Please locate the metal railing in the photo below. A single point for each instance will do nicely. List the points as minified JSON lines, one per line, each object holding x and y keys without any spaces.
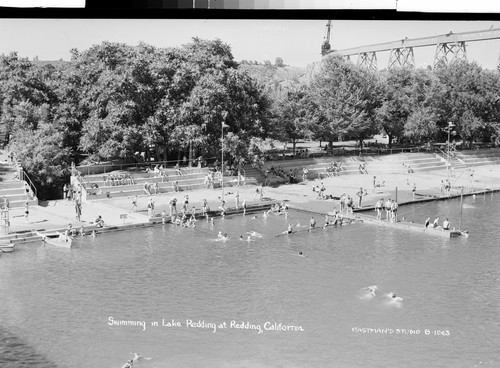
{"x":24,"y":176}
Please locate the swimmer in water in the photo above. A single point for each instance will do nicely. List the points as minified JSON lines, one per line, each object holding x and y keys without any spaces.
{"x":394,"y":299}
{"x":369,"y":292}
{"x":93,"y":233}
{"x":254,"y":218}
{"x":288,"y":230}
{"x":129,"y":364}
{"x":254,"y":233}
{"x":138,"y":357}
{"x":219,"y":235}
{"x":212,"y":221}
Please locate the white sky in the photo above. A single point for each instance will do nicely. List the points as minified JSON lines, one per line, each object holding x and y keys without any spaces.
{"x":298,"y":42}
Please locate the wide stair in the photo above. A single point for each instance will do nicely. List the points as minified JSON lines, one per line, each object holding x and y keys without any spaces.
{"x":481,"y":157}
{"x":21,"y":237}
{"x":13,"y":190}
{"x":191,"y":179}
{"x":374,"y":165}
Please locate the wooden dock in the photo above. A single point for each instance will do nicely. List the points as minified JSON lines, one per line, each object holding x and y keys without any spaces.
{"x":412,"y":227}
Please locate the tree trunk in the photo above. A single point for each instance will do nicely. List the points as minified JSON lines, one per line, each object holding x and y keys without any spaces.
{"x":294,"y":143}
{"x":389,"y":144}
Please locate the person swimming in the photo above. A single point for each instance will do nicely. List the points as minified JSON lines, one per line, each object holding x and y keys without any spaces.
{"x":369,"y":292}
{"x":254,"y":234}
{"x":392,"y":298}
{"x":138,"y":357}
{"x":219,"y":235}
{"x":129,"y":364}
{"x":288,"y":230}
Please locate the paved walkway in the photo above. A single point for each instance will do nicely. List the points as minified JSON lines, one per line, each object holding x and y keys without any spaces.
{"x":58,"y":213}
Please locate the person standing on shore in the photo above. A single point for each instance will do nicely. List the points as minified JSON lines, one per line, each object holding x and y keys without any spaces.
{"x":414,"y":190}
{"x":173,"y":206}
{"x":222,"y":207}
{"x":204,"y":207}
{"x":360,"y":196}
{"x":78,"y":209}
{"x":394,"y":211}
{"x":378,"y":208}
{"x":65,"y":191}
{"x":427,"y":222}
{"x":342,"y":202}
{"x":133,"y":207}
{"x":151,"y":207}
{"x":237,"y":199}
{"x":388,"y":205}
{"x":304,"y":174}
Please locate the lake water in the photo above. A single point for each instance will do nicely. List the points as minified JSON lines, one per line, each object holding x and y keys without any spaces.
{"x":57,"y":305}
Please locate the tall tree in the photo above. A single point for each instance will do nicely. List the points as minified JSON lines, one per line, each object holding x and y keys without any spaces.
{"x":347,"y":97}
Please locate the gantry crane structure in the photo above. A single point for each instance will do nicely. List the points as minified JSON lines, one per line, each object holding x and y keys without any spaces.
{"x":449,"y":47}
{"x":325,"y":46}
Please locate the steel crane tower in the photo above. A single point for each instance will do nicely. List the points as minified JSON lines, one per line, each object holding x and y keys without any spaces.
{"x":325,"y":46}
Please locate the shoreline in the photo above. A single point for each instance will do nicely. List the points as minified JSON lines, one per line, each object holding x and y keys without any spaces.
{"x":56,"y":215}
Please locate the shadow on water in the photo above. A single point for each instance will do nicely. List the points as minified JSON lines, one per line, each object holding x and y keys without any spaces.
{"x":14,"y":353}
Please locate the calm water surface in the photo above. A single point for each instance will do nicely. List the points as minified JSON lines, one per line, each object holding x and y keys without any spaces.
{"x":56,"y":304}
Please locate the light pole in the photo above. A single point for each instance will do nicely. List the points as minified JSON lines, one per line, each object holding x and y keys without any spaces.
{"x":222,"y":153}
{"x":448,"y":161}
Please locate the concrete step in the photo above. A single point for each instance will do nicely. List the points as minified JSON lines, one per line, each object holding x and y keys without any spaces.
{"x":24,"y":237}
{"x":11,"y":184}
{"x":15,"y":197}
{"x":130,"y":192}
{"x":20,"y":203}
{"x":11,"y":191}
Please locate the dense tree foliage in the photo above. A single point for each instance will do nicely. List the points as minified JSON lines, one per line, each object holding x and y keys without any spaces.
{"x":114,"y":101}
